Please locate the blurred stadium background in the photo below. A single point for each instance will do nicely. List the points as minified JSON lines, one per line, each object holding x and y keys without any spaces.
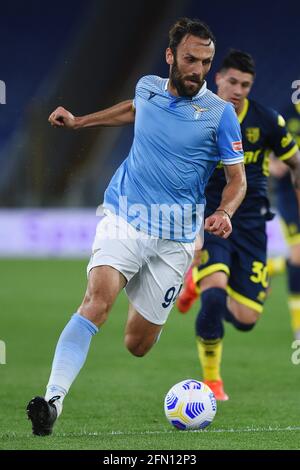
{"x":85,"y":56}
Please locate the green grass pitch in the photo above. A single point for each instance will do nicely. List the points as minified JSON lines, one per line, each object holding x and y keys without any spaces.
{"x":117,"y":400}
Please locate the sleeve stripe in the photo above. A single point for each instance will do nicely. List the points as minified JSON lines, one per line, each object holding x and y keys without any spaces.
{"x":290,"y":153}
{"x":232,"y":161}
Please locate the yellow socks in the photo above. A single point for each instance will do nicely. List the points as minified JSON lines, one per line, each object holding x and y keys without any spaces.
{"x":294,"y":306}
{"x":210,"y":356}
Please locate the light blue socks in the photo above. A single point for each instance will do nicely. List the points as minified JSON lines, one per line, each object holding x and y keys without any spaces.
{"x":70,"y":355}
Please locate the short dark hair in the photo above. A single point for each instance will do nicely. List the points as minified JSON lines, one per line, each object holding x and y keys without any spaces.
{"x":238,"y":60}
{"x":184,"y":26}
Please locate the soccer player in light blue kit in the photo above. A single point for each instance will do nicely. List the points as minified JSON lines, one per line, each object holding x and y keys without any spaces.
{"x":154,"y":205}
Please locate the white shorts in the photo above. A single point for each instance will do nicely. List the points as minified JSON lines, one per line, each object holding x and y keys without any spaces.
{"x":153,"y":267}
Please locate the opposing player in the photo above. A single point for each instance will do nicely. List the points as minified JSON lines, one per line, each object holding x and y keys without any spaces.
{"x":232,"y":274}
{"x":288,"y":207}
{"x":154,"y":205}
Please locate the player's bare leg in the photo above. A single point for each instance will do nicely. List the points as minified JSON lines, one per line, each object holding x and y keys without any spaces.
{"x":104,"y":284}
{"x":242,"y":313}
{"x":140,"y":334}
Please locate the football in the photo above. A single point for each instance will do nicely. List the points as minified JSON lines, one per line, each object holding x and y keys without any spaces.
{"x":190,"y":404}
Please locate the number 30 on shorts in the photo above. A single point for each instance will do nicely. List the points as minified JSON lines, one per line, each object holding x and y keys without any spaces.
{"x":260,"y":274}
{"x":170,"y":296}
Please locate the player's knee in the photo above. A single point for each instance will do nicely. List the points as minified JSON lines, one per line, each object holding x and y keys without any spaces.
{"x":95,"y":308}
{"x":209,"y":322}
{"x":135,"y":346}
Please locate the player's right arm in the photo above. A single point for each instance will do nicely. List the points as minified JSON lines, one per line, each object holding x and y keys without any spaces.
{"x":119,"y":115}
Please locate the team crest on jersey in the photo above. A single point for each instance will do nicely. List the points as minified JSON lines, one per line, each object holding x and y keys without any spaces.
{"x":252,"y":134}
{"x":198,"y":111}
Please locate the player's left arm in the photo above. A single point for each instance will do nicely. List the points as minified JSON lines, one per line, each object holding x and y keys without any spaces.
{"x":229,"y":141}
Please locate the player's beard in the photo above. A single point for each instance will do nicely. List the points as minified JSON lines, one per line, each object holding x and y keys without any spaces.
{"x":178,"y":81}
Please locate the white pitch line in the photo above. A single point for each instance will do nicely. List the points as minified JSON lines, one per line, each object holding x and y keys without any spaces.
{"x":171,"y":431}
{"x":13,"y":434}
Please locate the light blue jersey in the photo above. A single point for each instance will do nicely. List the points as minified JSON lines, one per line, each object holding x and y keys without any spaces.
{"x":160,"y":187}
